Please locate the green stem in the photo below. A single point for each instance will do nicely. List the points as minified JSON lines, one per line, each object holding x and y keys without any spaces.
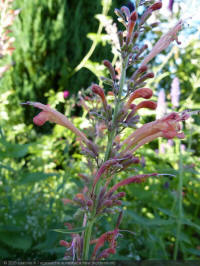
{"x":94,"y":44}
{"x":87,"y":237}
{"x":180,"y":204}
{"x":111,"y":136}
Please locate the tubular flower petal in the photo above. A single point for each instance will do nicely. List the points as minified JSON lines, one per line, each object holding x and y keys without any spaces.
{"x":139,"y":93}
{"x":163,"y":42}
{"x":99,"y":91}
{"x":49,"y":114}
{"x":167,"y":127}
{"x":146,"y":104}
{"x":134,"y":179}
{"x":155,"y":6}
{"x":131,"y":24}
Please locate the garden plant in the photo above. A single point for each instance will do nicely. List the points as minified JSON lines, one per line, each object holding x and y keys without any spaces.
{"x":111,"y":143}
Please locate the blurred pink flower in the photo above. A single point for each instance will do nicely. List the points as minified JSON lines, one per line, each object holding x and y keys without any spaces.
{"x":175,"y":92}
{"x":65,"y":94}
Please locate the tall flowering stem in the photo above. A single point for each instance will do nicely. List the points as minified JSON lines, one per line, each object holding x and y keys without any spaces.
{"x":112,"y":119}
{"x":111,"y":136}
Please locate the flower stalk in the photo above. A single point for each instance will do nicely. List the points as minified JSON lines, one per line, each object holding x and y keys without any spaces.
{"x":98,"y":197}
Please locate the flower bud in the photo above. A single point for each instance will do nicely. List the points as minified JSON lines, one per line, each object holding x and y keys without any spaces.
{"x":144,"y":77}
{"x":126,"y":11}
{"x":119,"y":13}
{"x":98,"y":90}
{"x":155,"y":6}
{"x":133,"y":16}
{"x":110,"y":68}
{"x":141,"y":50}
{"x":138,"y":72}
{"x":146,"y":104}
{"x":89,"y":203}
{"x":145,"y":93}
{"x":118,"y":202}
{"x":108,"y":203}
{"x":118,"y":195}
{"x":121,"y":38}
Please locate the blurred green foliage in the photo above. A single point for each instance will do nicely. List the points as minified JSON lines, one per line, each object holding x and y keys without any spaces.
{"x":38,"y":170}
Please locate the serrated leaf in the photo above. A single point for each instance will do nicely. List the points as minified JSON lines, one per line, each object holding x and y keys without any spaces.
{"x":73,"y":231}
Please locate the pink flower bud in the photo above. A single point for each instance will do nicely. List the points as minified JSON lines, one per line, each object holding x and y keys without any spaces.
{"x":133,"y":16}
{"x":89,"y":203}
{"x":108,"y":203}
{"x":145,"y":93}
{"x":155,"y":6}
{"x":110,"y":68}
{"x":99,"y":91}
{"x":118,"y":202}
{"x":65,"y":94}
{"x":146,"y":104}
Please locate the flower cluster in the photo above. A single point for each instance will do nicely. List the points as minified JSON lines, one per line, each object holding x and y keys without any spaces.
{"x":113,"y":117}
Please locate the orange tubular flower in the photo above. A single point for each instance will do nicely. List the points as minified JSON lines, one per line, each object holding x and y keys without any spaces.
{"x":139,"y":93}
{"x":167,"y":127}
{"x":99,"y":91}
{"x":49,"y":114}
{"x":131,"y":24}
{"x":164,"y":42}
{"x":146,"y":104}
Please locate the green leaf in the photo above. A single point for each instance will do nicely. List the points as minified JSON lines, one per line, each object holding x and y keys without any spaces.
{"x":193,"y":251}
{"x":11,"y":150}
{"x":149,"y":222}
{"x":35,"y":177}
{"x":10,"y":228}
{"x":16,"y":240}
{"x":73,"y":231}
{"x":98,"y":37}
{"x":188,"y":222}
{"x":95,"y":68}
{"x":7,"y":167}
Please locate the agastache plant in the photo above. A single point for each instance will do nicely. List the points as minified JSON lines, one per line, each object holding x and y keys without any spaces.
{"x":130,"y":94}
